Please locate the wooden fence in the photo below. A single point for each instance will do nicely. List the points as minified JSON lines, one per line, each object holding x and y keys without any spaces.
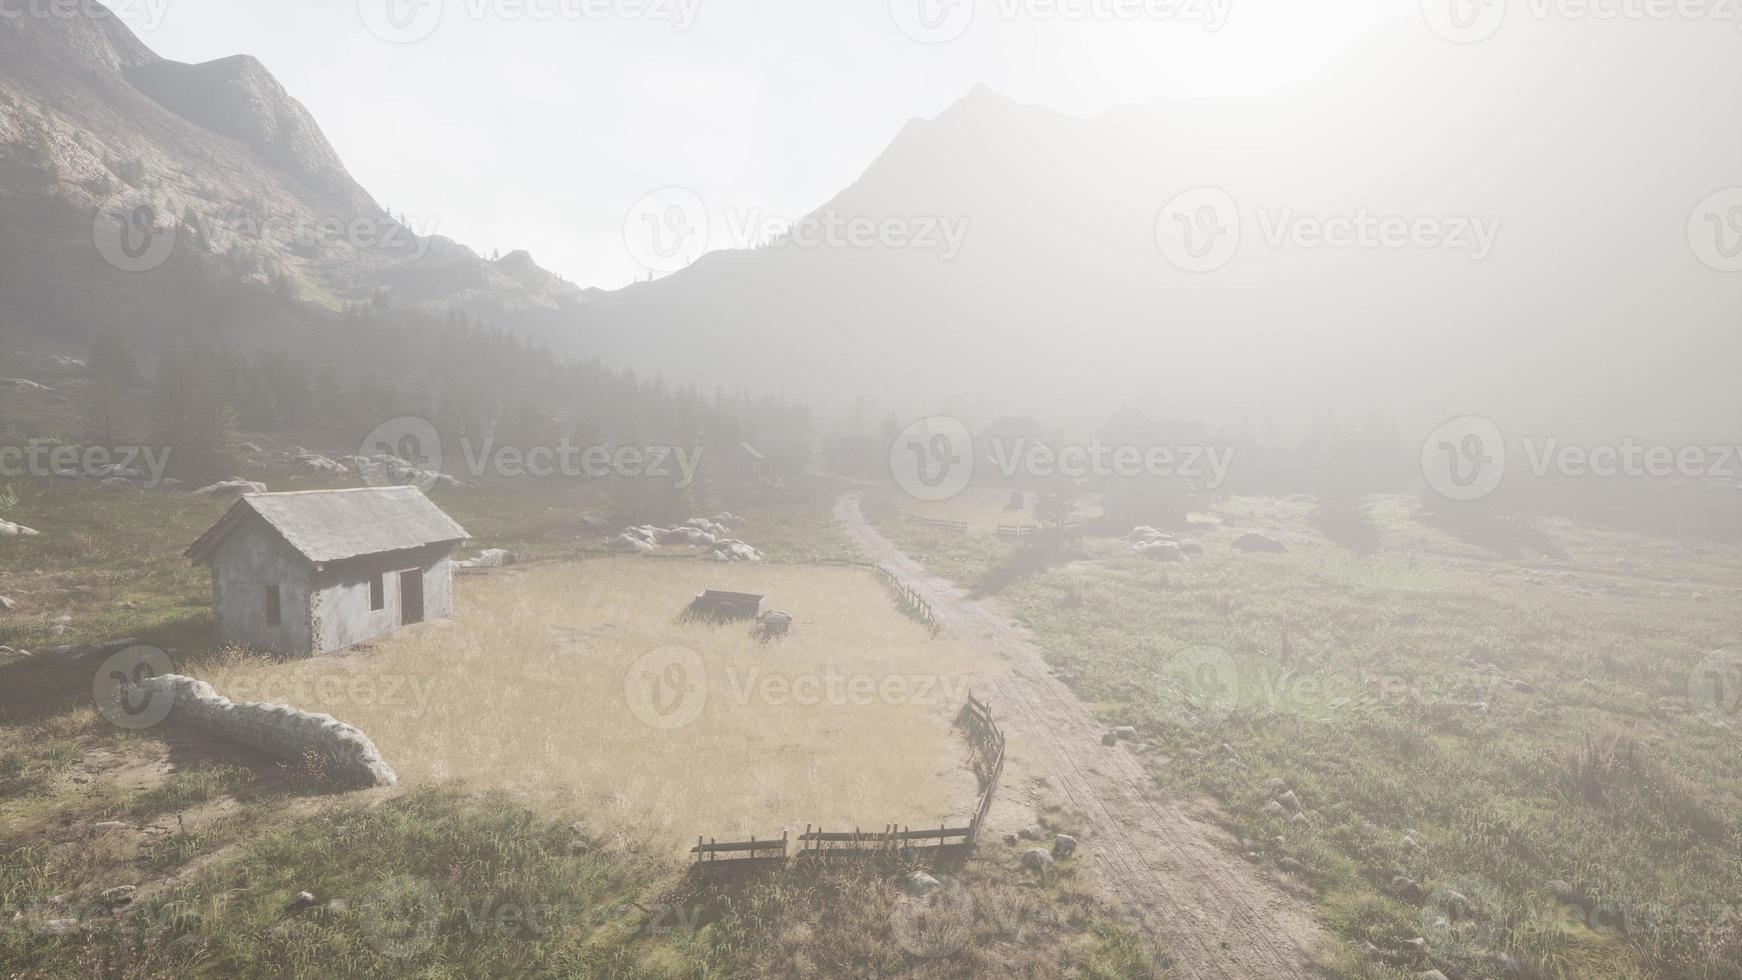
{"x":1016,"y":530}
{"x":985,"y":740}
{"x":960,"y":526}
{"x":743,"y":851}
{"x":910,"y":601}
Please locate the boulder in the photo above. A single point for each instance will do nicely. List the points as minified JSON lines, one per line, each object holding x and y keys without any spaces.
{"x":1406,"y":890}
{"x":1259,"y":542}
{"x":1033,"y":831}
{"x":489,"y":558}
{"x":1063,"y":846}
{"x":230,"y":488}
{"x":10,"y":530}
{"x":119,"y":895}
{"x":733,"y":551}
{"x":1160,"y":551}
{"x":920,"y":883}
{"x":1035,"y":859}
{"x":7,"y":605}
{"x":629,"y":544}
{"x":302,"y":900}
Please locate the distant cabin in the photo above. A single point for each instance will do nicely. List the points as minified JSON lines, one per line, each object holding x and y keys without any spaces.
{"x":322,"y":570}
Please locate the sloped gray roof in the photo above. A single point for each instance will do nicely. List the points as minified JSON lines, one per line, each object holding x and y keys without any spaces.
{"x":334,"y":525}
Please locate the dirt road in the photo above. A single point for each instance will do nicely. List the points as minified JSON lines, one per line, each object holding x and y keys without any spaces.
{"x":1181,"y":879}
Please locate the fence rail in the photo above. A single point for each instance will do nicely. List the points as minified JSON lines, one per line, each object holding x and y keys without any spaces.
{"x":1016,"y":530}
{"x":910,"y":601}
{"x":987,"y":744}
{"x":748,"y":850}
{"x":961,"y":526}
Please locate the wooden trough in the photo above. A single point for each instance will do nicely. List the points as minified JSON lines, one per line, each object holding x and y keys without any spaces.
{"x":726,"y":606}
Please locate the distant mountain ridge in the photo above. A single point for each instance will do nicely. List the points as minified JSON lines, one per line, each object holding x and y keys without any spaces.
{"x":1591,"y":158}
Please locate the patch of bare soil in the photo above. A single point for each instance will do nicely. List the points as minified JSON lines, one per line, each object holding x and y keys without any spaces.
{"x":1179,"y":878}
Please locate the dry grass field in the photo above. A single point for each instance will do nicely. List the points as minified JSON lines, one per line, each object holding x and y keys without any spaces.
{"x":584,"y":683}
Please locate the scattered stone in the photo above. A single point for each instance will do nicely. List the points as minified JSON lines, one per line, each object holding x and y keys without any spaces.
{"x":1259,"y":542}
{"x":1063,"y":846}
{"x":1412,"y":841}
{"x":6,"y":605}
{"x":1276,"y":786}
{"x":1505,"y":965}
{"x":117,"y":896}
{"x":1523,"y":688}
{"x":1289,"y":800}
{"x":1125,"y":732}
{"x":1431,"y":975}
{"x":1166,"y":551}
{"x":303,"y":900}
{"x":1454,"y":904}
{"x":920,"y":883}
{"x":230,"y":488}
{"x":1274,"y":809}
{"x":1562,"y":892}
{"x":489,"y":558}
{"x":629,"y":543}
{"x":1109,"y":739}
{"x":60,"y":927}
{"x":1033,"y":831}
{"x":773,"y":625}
{"x":1035,"y":859}
{"x":10,"y":530}
{"x":1010,"y":840}
{"x":1406,"y":890}
{"x":1418,"y":944}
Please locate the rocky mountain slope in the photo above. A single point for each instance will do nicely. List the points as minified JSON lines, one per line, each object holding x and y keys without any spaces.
{"x":138,"y":192}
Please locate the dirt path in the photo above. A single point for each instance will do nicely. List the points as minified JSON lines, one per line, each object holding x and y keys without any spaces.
{"x":1213,"y":913}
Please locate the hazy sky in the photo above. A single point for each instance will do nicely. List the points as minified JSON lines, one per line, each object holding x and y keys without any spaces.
{"x":537,"y":124}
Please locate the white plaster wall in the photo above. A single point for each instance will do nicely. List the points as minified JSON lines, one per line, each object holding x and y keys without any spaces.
{"x":249,"y":559}
{"x":342,"y":617}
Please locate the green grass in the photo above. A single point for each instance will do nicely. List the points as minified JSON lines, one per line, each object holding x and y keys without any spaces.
{"x":1585,"y":761}
{"x":255,"y":835}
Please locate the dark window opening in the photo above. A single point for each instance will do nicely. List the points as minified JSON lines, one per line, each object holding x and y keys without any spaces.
{"x":274,"y":609}
{"x":378,"y":593}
